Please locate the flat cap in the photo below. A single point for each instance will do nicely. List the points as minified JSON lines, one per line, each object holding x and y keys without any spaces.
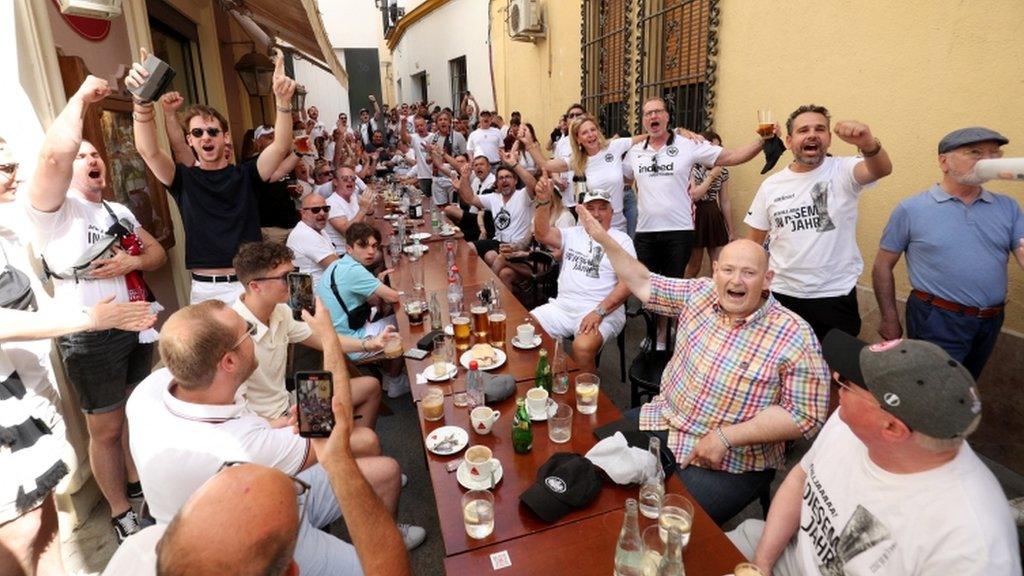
{"x":965,"y":136}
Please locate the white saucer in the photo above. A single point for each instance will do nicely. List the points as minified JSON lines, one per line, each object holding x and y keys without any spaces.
{"x":412,"y":249}
{"x":461,"y":440}
{"x":444,"y":234}
{"x":467,"y":482}
{"x":551,"y":408}
{"x":536,"y":342}
{"x":468,"y":355}
{"x":421,"y":235}
{"x":391,"y":216}
{"x":433,"y":377}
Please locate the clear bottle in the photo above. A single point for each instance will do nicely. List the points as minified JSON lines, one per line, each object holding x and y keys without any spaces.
{"x":454,"y":290}
{"x":652,"y":490}
{"x":559,"y":370}
{"x":629,"y":550}
{"x":672,"y":560}
{"x":474,"y":386}
{"x":434,"y":308}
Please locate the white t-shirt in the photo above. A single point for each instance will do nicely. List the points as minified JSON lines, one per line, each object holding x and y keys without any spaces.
{"x":264,"y":391}
{"x":866,"y":521}
{"x":63,"y":236}
{"x":484,"y":143}
{"x":136,"y":556}
{"x":587,"y":274}
{"x":811,"y":218}
{"x":663,"y":194}
{"x":179,"y":445}
{"x":512,"y":220}
{"x":604,"y":171}
{"x":340,"y":208}
{"x":310,"y":247}
{"x":424,"y":168}
{"x":563,"y":151}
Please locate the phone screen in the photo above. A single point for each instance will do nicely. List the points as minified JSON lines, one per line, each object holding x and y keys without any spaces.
{"x":300,"y":294}
{"x":313,"y":393}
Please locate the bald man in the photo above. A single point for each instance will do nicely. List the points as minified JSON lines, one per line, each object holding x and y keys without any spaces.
{"x":746,"y":375}
{"x":310,"y":244}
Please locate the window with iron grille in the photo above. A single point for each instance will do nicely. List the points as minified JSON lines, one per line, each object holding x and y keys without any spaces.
{"x":677,"y":39}
{"x":607,"y":55}
{"x":457,"y":73}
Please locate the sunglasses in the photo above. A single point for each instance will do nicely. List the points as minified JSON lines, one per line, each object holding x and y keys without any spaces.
{"x":318,"y":209}
{"x":347,"y":178}
{"x":9,"y":168}
{"x":198,"y":132}
{"x":250,"y":331}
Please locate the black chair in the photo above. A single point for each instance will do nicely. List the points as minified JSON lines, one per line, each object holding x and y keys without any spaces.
{"x":646,"y":369}
{"x":543,"y":285}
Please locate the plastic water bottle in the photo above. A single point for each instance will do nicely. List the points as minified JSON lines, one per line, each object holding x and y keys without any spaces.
{"x":454,"y":290}
{"x":474,"y":386}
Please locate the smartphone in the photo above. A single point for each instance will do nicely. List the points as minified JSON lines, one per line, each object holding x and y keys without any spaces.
{"x":415,"y":354}
{"x":300,"y":294}
{"x":313,"y":393}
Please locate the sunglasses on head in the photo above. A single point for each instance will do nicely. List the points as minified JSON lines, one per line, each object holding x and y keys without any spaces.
{"x":318,"y":209}
{"x":198,"y":132}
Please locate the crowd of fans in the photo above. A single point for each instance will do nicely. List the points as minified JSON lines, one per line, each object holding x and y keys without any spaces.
{"x":212,"y":448}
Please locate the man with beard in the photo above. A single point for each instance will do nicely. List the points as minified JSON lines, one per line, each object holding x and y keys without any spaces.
{"x":313,"y":249}
{"x":346,"y":206}
{"x":217,"y":200}
{"x":808,"y":211}
{"x":511,"y":208}
{"x":367,"y":125}
{"x":746,"y":375}
{"x":958,"y":238}
{"x":67,"y":210}
{"x":449,"y":143}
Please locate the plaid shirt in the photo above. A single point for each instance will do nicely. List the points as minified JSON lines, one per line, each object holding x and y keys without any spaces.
{"x":724,"y":372}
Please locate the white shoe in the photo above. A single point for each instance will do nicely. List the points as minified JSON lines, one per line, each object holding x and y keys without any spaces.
{"x":413,"y":536}
{"x":397,"y":385}
{"x":1017,"y":508}
{"x":405,"y":480}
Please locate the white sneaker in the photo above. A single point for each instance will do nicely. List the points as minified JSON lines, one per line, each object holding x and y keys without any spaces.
{"x":1017,"y":508}
{"x":405,"y":480}
{"x":397,"y":385}
{"x":413,"y":536}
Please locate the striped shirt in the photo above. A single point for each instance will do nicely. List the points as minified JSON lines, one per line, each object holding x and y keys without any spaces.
{"x":723,"y":372}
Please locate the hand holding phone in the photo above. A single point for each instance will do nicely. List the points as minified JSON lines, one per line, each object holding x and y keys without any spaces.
{"x":313,"y":394}
{"x":300,"y":294}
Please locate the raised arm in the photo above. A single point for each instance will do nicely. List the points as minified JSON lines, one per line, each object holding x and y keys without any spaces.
{"x":461,"y":183}
{"x":627,"y":268}
{"x":275,"y":153}
{"x":49,"y":185}
{"x":170,"y":103}
{"x":884,"y":283}
{"x":511,"y":160}
{"x":876,"y":163}
{"x":376,"y":109}
{"x":285,"y":167}
{"x":144,"y":127}
{"x":543,"y":231}
{"x":552,"y":165}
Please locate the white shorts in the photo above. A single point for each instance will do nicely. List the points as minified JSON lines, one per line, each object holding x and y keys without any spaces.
{"x":561,"y":319}
{"x":226,"y":292}
{"x":372,"y":329}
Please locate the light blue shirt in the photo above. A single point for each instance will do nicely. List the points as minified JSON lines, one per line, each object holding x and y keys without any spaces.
{"x":355,"y":285}
{"x":955,"y":251}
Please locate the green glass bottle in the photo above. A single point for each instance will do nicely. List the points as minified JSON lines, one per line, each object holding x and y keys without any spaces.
{"x":542,"y":377}
{"x":522,"y":434}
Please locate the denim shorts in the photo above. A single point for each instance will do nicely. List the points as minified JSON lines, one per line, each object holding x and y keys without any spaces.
{"x":104,"y":365}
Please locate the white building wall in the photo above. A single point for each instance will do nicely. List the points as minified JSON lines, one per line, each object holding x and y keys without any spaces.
{"x":322,"y":90}
{"x":459,"y":28}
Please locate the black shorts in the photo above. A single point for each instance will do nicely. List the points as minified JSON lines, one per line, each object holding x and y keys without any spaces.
{"x":824,"y":314}
{"x":103,"y":366}
{"x":666,"y":252}
{"x":485,"y":246}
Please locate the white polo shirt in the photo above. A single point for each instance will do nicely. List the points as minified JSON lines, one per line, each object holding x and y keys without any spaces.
{"x":178,"y":445}
{"x":484,"y":143}
{"x":310,"y":247}
{"x":264,"y":391}
{"x":340,"y":208}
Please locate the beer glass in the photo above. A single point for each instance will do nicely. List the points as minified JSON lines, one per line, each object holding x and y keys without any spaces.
{"x":480,"y":322}
{"x":432,"y":404}
{"x":587,"y":388}
{"x":765,"y":126}
{"x":416,"y":267}
{"x":496,"y":327}
{"x":478,"y":513}
{"x":460,"y":326}
{"x":676,"y":511}
{"x":439,"y":355}
{"x":393,"y":346}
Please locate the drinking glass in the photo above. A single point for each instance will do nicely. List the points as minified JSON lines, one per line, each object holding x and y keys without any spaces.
{"x":654,"y":549}
{"x":496,"y":327}
{"x":417,"y":272}
{"x":461,"y":328}
{"x":480,"y":322}
{"x":677,"y":511}
{"x":765,"y":126}
{"x":560,"y":424}
{"x":439,"y":355}
{"x":432,"y":404}
{"x":587,"y":388}
{"x":393,"y":346}
{"x":478,"y":513}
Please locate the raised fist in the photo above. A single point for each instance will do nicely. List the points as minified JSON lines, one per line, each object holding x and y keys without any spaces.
{"x":93,"y":89}
{"x":171,"y":102}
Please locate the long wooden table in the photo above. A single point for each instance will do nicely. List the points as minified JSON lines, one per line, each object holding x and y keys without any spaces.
{"x":583,"y":541}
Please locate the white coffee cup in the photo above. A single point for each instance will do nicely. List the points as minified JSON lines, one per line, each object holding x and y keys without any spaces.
{"x":524,"y":333}
{"x":480,"y":462}
{"x":483,"y":419}
{"x":537,"y":401}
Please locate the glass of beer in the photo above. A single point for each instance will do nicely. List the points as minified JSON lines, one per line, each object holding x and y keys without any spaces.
{"x":460,"y":326}
{"x":393,"y":346}
{"x":480,"y":322}
{"x":496,"y":327}
{"x":432,"y":404}
{"x":675,"y":511}
{"x":765,"y":126}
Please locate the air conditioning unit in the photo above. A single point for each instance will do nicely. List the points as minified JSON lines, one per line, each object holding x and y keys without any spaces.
{"x":100,"y":9}
{"x":524,"y":20}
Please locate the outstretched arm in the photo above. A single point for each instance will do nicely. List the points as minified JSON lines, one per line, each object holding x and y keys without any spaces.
{"x":273,"y":155}
{"x":876,"y":163}
{"x":461,"y":183}
{"x":170,"y":103}
{"x":627,"y":268}
{"x":553,"y":165}
{"x":158,"y":161}
{"x":49,"y":185}
{"x":511,"y":159}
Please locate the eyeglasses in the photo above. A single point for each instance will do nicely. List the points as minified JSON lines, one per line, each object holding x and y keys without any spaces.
{"x":324,"y":174}
{"x":976,"y":154}
{"x":301,"y":487}
{"x":575,"y":115}
{"x":9,"y":168}
{"x":347,"y":178}
{"x":282,"y":278}
{"x":250,"y":330}
{"x":198,"y":132}
{"x":653,"y":112}
{"x":318,"y":209}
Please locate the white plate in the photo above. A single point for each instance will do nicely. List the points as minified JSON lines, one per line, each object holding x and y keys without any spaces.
{"x":391,"y":216}
{"x":412,"y":249}
{"x":421,"y":235}
{"x":433,"y":377}
{"x":469,"y":483}
{"x":536,"y":342}
{"x":445,"y":234}
{"x":461,"y":440}
{"x":551,"y":408}
{"x":468,"y":355}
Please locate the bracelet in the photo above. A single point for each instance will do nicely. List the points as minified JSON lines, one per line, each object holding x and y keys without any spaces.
{"x":512,"y":166}
{"x":539,"y":204}
{"x":141,"y":102}
{"x":363,"y":343}
{"x":141,"y":120}
{"x":283,"y":110}
{"x":721,"y":436}
{"x":873,"y":153}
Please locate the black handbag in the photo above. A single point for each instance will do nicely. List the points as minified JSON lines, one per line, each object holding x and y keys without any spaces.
{"x":357,"y":317}
{"x":15,"y":287}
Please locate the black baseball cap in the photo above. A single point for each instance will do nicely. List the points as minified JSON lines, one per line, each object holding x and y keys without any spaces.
{"x":565,"y":482}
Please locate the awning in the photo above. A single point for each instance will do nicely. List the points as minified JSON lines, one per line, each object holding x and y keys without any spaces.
{"x":298,"y":23}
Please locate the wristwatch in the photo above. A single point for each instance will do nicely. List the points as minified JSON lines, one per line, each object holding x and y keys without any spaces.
{"x":600,"y":311}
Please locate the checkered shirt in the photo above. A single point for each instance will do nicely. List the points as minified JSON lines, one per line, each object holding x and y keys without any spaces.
{"x":724,"y":372}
